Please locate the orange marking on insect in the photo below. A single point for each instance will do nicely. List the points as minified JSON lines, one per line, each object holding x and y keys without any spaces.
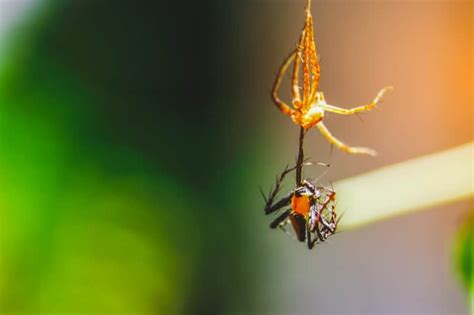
{"x":300,"y":204}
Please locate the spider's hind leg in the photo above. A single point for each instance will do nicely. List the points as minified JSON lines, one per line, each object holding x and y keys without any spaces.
{"x":341,"y":145}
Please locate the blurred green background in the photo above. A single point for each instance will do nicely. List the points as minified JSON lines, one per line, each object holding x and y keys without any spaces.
{"x":133,"y":139}
{"x":119,"y":185}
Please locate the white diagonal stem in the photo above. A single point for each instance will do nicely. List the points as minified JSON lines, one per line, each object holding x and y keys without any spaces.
{"x":405,"y":187}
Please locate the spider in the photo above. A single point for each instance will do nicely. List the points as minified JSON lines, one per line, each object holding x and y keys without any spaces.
{"x":312,"y":209}
{"x":308,"y":110}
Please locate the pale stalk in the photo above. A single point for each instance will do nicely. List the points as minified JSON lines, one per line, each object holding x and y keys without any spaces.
{"x":406,"y":187}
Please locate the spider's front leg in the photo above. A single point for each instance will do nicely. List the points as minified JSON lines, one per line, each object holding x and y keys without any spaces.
{"x":321,"y":103}
{"x":358,"y":109}
{"x":276,"y":86}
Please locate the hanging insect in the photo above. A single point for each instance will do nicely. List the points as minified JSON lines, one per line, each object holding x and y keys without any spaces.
{"x":311,"y":213}
{"x":308,"y":111}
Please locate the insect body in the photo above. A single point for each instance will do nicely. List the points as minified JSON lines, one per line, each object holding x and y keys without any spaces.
{"x":308,"y":110}
{"x":311,"y":213}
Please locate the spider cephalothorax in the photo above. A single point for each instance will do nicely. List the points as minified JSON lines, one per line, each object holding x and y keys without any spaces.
{"x":311,"y":213}
{"x":307,"y":110}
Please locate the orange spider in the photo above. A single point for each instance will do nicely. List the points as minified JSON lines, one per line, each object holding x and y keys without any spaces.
{"x":309,"y":111}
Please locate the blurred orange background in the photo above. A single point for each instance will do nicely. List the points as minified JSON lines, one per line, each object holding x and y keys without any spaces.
{"x":134,"y":136}
{"x":423,"y":49}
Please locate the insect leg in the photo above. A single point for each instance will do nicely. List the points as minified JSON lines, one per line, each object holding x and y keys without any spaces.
{"x":282,"y":217}
{"x":315,"y":220}
{"x":310,"y":242}
{"x":270,"y":208}
{"x":327,"y":225}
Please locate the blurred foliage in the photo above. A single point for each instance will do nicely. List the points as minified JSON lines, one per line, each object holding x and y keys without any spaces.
{"x":123,"y":188}
{"x":464,"y":253}
{"x":115,"y":168}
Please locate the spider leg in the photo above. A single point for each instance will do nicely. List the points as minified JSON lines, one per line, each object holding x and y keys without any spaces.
{"x":282,"y":217}
{"x":296,"y":72}
{"x":355,"y":110}
{"x":276,"y":86}
{"x":313,"y":57}
{"x":341,"y":145}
